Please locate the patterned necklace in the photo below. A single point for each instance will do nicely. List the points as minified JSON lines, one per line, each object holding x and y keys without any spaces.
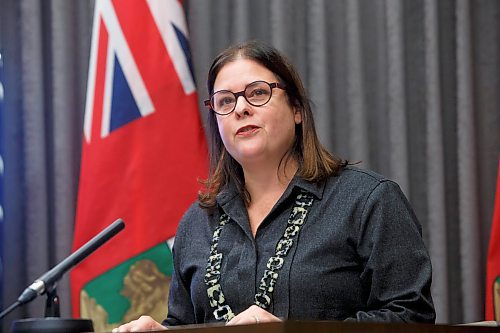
{"x":303,"y":203}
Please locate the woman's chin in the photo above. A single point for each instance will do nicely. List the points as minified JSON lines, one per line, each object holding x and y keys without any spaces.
{"x":250,"y":156}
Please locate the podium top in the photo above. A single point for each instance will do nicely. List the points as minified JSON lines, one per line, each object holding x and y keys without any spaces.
{"x":291,"y":326}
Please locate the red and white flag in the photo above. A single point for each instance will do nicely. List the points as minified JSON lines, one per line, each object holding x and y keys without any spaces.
{"x":493,"y":263}
{"x":143,"y":151}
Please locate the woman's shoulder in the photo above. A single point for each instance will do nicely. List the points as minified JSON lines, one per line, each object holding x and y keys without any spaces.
{"x":358,"y":177}
{"x":353,"y":182}
{"x":194,"y":215}
{"x":363,"y":183}
{"x":194,"y":210}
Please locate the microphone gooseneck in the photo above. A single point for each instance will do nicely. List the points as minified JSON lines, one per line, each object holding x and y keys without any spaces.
{"x":47,"y":281}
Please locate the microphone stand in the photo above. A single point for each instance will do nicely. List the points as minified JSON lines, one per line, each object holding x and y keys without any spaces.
{"x":46,"y":284}
{"x":52,"y":304}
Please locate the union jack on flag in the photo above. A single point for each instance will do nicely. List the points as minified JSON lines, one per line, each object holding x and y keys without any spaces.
{"x":143,"y":151}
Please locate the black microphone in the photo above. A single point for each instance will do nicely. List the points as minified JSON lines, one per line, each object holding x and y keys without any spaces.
{"x":47,"y":281}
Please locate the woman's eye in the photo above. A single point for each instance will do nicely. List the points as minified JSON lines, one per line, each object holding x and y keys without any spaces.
{"x":258,"y":92}
{"x":225,"y":101}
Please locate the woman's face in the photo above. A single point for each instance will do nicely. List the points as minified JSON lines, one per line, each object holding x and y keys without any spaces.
{"x":255,"y":135}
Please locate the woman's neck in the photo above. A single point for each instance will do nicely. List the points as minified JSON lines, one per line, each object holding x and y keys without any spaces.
{"x":266,"y":184}
{"x":267,"y":181}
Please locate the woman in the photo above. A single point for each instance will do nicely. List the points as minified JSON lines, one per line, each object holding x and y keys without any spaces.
{"x":284,"y":229}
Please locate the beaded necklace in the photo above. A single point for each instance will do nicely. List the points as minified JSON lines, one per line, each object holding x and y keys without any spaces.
{"x":222,"y":311}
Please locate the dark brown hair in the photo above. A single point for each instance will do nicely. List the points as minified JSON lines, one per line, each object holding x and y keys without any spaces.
{"x":315,"y":163}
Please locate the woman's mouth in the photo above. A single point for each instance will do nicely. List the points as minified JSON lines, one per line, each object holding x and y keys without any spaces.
{"x":247,"y":130}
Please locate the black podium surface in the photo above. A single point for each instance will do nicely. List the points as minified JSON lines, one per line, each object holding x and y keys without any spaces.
{"x":291,"y":326}
{"x":332,"y":326}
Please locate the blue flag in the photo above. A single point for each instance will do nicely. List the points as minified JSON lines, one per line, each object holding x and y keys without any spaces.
{"x":1,"y":182}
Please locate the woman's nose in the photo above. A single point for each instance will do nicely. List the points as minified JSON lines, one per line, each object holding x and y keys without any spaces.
{"x":242,"y":107}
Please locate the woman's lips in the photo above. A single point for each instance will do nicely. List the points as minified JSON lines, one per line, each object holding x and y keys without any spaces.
{"x":247,"y":130}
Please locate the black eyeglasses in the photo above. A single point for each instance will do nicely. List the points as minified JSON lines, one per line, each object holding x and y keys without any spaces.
{"x":257,"y":93}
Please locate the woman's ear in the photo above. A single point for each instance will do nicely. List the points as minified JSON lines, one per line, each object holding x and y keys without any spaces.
{"x":297,"y":115}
